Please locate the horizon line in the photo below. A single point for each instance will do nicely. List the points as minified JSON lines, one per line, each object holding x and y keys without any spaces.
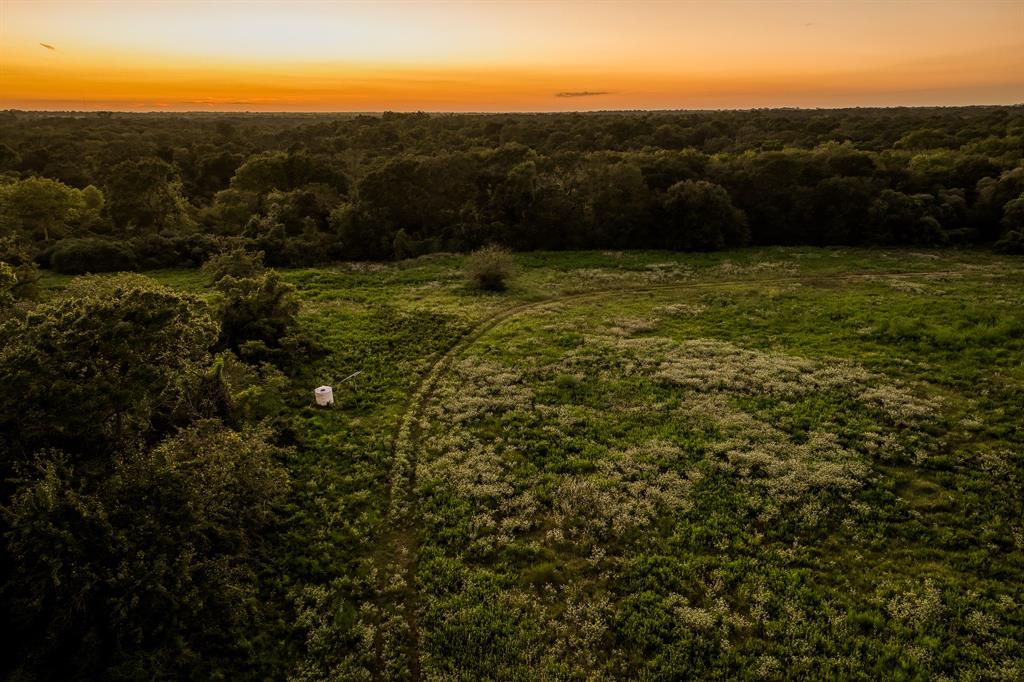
{"x":470,"y":112}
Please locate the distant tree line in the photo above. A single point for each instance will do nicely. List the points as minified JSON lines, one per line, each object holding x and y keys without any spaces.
{"x":114,"y":192}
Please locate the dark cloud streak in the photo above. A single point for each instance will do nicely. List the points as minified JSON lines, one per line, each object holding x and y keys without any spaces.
{"x":582,"y":93}
{"x":48,"y":47}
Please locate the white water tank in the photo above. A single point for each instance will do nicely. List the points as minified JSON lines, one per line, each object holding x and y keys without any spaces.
{"x":324,"y":396}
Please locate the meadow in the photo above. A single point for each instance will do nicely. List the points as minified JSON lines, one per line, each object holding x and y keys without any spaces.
{"x":753,"y":464}
{"x":756,"y":464}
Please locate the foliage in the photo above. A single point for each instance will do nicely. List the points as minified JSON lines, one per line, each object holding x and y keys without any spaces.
{"x":490,"y":268}
{"x":255,"y":312}
{"x":237,"y":263}
{"x":1012,"y":242}
{"x":91,"y":370}
{"x":133,"y":574}
{"x":41,"y":209}
{"x":897,"y":218}
{"x":310,"y":189}
{"x":23,"y":267}
{"x":145,"y":195}
{"x":81,"y":256}
{"x":1013,"y":215}
{"x":702,"y":217}
{"x":8,"y":283}
{"x":136,"y":521}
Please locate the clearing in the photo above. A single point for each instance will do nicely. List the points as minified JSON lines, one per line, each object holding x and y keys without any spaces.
{"x":757,"y":464}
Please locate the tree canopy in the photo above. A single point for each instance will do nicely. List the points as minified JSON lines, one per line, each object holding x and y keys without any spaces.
{"x":306,"y":189}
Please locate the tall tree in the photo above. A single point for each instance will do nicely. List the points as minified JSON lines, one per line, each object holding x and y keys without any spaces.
{"x":40,"y":209}
{"x":700,"y":216}
{"x":145,"y":196}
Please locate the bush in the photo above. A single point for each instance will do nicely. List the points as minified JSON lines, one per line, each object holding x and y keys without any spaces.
{"x":1012,"y":242}
{"x":155,"y":251}
{"x":23,"y":267}
{"x":195,"y":249}
{"x":8,"y":280}
{"x":80,"y":256}
{"x":490,"y":268}
{"x":259,"y":309}
{"x":236,"y":262}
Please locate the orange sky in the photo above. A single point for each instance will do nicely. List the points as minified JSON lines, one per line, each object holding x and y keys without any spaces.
{"x":492,"y":55}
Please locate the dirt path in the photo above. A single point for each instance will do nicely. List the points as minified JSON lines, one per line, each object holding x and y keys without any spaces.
{"x":403,"y":539}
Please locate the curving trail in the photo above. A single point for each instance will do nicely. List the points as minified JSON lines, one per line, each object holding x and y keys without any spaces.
{"x":402,"y":512}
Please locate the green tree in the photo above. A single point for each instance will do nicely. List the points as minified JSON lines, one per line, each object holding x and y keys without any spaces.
{"x":256,"y":313}
{"x":91,"y":370}
{"x":231,"y":210}
{"x":614,"y":203}
{"x":1012,"y":223}
{"x":9,"y":159}
{"x":133,"y":575}
{"x":1013,"y":214}
{"x":145,"y":195}
{"x":402,"y":246}
{"x":40,"y":209}
{"x":283,"y":171}
{"x":898,"y":218}
{"x":838,"y":208}
{"x":993,"y":195}
{"x":701,"y":217}
{"x":8,"y":282}
{"x":363,"y":233}
{"x":91,"y":255}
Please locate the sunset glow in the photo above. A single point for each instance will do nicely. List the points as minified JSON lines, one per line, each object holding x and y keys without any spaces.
{"x":502,"y":56}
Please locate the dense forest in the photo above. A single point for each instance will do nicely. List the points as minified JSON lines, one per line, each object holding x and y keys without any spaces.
{"x":105,"y":191}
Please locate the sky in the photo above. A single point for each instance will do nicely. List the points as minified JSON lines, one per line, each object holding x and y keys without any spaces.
{"x":497,"y":55}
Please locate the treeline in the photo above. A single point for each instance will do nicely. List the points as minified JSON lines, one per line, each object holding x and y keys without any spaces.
{"x":113,"y":192}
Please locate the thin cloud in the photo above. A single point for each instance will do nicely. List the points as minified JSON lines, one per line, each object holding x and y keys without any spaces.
{"x":48,"y":47}
{"x":582,"y":93}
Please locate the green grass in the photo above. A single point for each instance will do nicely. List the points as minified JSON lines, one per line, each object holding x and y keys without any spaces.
{"x":768,"y":463}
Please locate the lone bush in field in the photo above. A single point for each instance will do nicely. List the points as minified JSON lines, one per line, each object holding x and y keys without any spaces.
{"x":490,"y":268}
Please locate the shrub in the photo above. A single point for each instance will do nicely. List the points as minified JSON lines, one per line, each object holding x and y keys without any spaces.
{"x":23,"y":267}
{"x":259,"y":309}
{"x":195,"y":249}
{"x":8,"y":280}
{"x":1012,"y":242}
{"x":155,"y":251}
{"x":490,"y":268}
{"x":80,"y":256}
{"x":236,"y":262}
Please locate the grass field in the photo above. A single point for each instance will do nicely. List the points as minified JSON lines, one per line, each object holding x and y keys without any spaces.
{"x":757,"y":464}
